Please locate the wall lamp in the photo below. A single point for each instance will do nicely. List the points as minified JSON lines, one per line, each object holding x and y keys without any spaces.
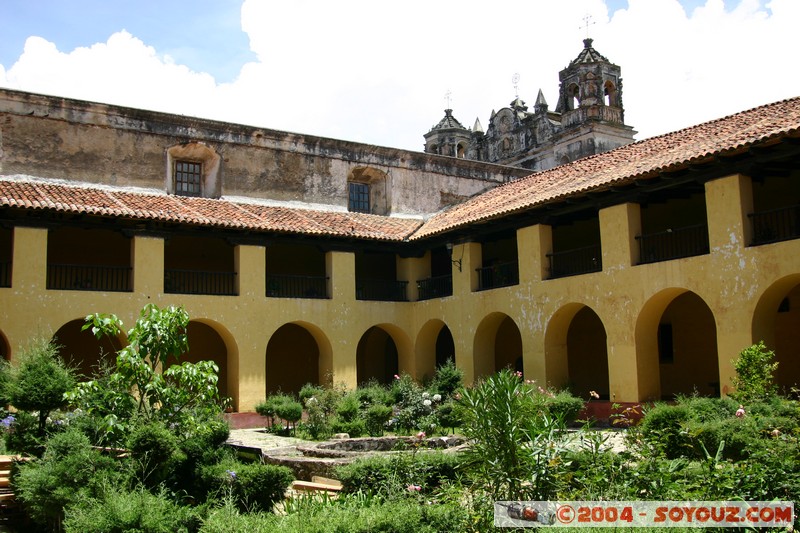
{"x":456,"y":262}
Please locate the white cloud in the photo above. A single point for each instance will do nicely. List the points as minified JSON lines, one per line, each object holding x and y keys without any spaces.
{"x":377,"y":72}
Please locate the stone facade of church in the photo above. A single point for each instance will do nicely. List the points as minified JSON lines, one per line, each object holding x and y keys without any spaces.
{"x":589,"y":119}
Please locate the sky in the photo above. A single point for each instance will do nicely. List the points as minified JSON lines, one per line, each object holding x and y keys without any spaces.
{"x":378,"y":72}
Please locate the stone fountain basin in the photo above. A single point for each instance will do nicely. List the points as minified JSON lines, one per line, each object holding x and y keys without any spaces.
{"x":322,"y":458}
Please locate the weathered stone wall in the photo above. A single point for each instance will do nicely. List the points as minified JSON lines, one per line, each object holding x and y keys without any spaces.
{"x":67,"y":139}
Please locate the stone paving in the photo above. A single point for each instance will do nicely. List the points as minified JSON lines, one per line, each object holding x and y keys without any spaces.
{"x":258,"y":438}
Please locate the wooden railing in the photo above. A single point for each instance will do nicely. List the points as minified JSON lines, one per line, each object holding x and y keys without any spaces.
{"x":496,"y":276}
{"x":199,"y":282}
{"x":5,"y":273}
{"x":297,"y":286}
{"x":436,"y":287}
{"x":576,"y":261}
{"x":673,"y":244}
{"x":381,"y":290}
{"x":776,"y":225}
{"x":88,"y":278}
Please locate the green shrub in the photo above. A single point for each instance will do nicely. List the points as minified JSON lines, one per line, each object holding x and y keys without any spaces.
{"x":376,"y":416}
{"x":203,"y":448}
{"x":354,"y":428}
{"x":564,"y":406}
{"x":515,"y":447}
{"x":392,"y":475}
{"x":348,"y":408}
{"x":22,"y":435}
{"x":40,"y":380}
{"x":69,"y":471}
{"x":449,"y":415}
{"x":253,"y":486}
{"x":373,"y":393}
{"x":155,"y":452}
{"x":129,"y":511}
{"x":738,"y":435}
{"x":269,"y":407}
{"x":403,"y":388}
{"x":709,"y":409}
{"x":664,"y":426}
{"x":755,"y":368}
{"x":447,"y":379}
{"x":400,"y":516}
{"x":309,"y":390}
{"x":291,"y":412}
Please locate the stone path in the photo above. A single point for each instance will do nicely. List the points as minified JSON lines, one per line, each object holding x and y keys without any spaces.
{"x":258,"y":438}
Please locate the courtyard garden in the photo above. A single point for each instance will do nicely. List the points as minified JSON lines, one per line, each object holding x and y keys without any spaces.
{"x":140,"y":445}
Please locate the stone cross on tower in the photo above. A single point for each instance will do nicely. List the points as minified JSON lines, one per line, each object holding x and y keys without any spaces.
{"x":515,"y":81}
{"x":447,"y":97}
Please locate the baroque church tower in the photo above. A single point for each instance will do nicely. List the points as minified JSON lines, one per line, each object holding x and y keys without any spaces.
{"x":588,"y":119}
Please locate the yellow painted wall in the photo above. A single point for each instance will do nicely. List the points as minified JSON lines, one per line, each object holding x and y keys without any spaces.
{"x":741,"y":286}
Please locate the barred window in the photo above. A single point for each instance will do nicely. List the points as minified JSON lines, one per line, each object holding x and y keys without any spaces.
{"x":359,"y":197}
{"x":188,"y":178}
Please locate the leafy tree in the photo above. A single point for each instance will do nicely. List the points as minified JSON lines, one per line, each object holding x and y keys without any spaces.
{"x":40,"y":380}
{"x":182,"y":396}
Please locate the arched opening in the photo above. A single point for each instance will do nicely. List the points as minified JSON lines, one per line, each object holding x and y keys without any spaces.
{"x":434,"y":347}
{"x":377,"y":357}
{"x":573,"y":97}
{"x":676,"y":344}
{"x":587,"y":355}
{"x":83,"y":351}
{"x":293,"y":359}
{"x":576,"y":351}
{"x":206,"y":344}
{"x":445,"y":347}
{"x":5,"y":349}
{"x":461,"y":150}
{"x":497,"y":345}
{"x":610,"y":94}
{"x":776,"y":321}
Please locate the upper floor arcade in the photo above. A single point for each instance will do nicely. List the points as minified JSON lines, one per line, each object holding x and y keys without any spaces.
{"x":666,"y":223}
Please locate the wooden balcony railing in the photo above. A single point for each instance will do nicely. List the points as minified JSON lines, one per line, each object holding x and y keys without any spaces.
{"x":496,"y":276}
{"x":297,"y":286}
{"x":89,"y":278}
{"x":576,"y":261}
{"x":776,"y":225}
{"x":381,"y":290}
{"x":5,"y":273}
{"x":673,"y":244}
{"x":199,"y":282}
{"x":436,"y":287}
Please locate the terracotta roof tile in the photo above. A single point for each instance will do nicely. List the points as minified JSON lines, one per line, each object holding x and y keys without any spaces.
{"x":640,"y":160}
{"x":79,"y":199}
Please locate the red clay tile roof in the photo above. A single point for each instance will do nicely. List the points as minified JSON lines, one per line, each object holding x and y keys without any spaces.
{"x":42,"y":195}
{"x":640,"y":160}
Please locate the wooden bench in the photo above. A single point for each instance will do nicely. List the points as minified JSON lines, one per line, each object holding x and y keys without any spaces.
{"x":318,"y":484}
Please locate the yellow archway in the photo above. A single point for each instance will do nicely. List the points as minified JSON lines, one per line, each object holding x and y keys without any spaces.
{"x":383,"y":351}
{"x":676,"y":346}
{"x":776,"y":321}
{"x":497,"y":345}
{"x":297,"y":353}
